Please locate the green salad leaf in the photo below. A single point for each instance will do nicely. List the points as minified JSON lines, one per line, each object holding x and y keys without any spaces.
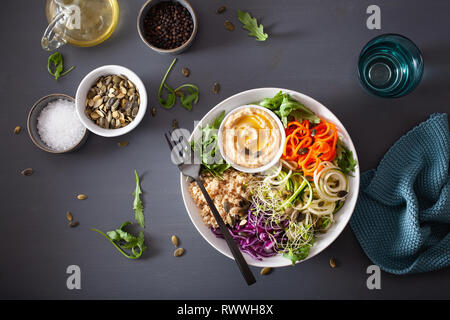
{"x":137,"y":203}
{"x":208,"y":148}
{"x":186,"y":100}
{"x":251,"y":25}
{"x":284,"y":106}
{"x":124,"y":240}
{"x":56,"y":60}
{"x":345,"y":160}
{"x":170,"y":101}
{"x":299,"y":254}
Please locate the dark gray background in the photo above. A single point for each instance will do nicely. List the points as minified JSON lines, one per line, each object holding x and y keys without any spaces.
{"x":312,"y":48}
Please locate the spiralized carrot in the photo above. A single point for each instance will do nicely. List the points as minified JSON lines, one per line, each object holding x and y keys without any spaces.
{"x":309,"y":145}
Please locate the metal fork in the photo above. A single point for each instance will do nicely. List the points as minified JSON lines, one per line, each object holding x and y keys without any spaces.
{"x":192,"y":170}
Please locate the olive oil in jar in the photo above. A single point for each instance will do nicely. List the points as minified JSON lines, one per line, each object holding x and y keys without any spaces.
{"x":89,"y":23}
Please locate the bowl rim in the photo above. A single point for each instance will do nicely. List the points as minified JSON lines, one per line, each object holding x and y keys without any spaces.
{"x":277,"y":156}
{"x":32,"y":137}
{"x":191,"y":10}
{"x":81,"y":94}
{"x":343,"y":223}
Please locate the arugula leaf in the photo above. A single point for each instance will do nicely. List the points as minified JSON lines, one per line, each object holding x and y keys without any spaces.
{"x":273,"y":103}
{"x":284,"y":106}
{"x":171,"y":96}
{"x":300,"y":254}
{"x":137,"y":203}
{"x":56,"y":60}
{"x":251,"y":25}
{"x":208,"y":148}
{"x":124,"y":240}
{"x":345,"y":160}
{"x":186,"y":100}
{"x":192,"y":97}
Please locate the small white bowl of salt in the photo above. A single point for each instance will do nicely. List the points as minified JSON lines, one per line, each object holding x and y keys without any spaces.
{"x":53,"y":124}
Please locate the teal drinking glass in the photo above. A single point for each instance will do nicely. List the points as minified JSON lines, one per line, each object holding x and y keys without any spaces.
{"x":390,"y":65}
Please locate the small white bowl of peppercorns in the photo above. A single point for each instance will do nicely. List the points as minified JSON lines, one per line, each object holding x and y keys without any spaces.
{"x":167,"y":26}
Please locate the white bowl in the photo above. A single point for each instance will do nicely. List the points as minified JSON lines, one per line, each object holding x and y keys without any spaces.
{"x":87,"y":83}
{"x":277,"y":155}
{"x":342,"y":217}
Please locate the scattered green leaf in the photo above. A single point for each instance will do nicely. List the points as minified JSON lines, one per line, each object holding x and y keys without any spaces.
{"x":124,"y":240}
{"x":189,"y":99}
{"x":186,"y":100}
{"x":251,"y":25}
{"x":171,"y":96}
{"x":137,"y":203}
{"x":56,"y":60}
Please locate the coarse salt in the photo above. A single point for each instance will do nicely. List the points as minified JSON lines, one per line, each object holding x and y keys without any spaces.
{"x":58,"y":125}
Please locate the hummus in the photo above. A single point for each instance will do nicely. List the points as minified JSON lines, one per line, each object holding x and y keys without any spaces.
{"x":250,"y":138}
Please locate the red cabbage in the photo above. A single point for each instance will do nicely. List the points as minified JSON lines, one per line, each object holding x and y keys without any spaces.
{"x":253,"y":237}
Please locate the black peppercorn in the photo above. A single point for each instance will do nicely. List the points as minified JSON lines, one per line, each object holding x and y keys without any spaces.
{"x":168,"y":25}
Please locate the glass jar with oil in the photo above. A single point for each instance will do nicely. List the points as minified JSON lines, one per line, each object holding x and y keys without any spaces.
{"x":82,"y":23}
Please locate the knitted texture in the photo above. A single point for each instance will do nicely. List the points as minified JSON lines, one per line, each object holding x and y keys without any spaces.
{"x":402,"y":217}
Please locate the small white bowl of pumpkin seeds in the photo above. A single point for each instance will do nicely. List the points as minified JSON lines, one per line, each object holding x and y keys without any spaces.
{"x":111,"y":101}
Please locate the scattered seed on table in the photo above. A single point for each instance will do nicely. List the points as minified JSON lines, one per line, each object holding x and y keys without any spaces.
{"x":17,"y":130}
{"x":186,"y":72}
{"x":69,"y":216}
{"x":216,"y":88}
{"x":229,"y":25}
{"x":153,"y":112}
{"x":221,"y":10}
{"x":175,"y":123}
{"x":81,"y":197}
{"x":27,"y":172}
{"x":175,"y":240}
{"x":122,"y":143}
{"x":265,"y":271}
{"x":74,"y":224}
{"x":179,"y":252}
{"x":332,"y":263}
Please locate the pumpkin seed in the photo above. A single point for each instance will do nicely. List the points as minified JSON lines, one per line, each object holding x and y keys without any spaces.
{"x":74,"y":224}
{"x":175,"y":240}
{"x":229,"y":25}
{"x":265,"y":271}
{"x":153,"y":112}
{"x":342,"y":193}
{"x":303,"y":151}
{"x":17,"y":130}
{"x":69,"y":216}
{"x":175,"y":123}
{"x":186,"y":72}
{"x":122,"y":143}
{"x":27,"y":172}
{"x":313,"y":132}
{"x":221,"y":10}
{"x":226,"y":206}
{"x":243,"y":222}
{"x":321,"y":203}
{"x":216,"y":88}
{"x":109,"y":94}
{"x":332,"y":263}
{"x":81,"y":197}
{"x":178,"y":252}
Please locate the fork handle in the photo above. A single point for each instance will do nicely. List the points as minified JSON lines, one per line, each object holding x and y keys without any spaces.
{"x":242,"y":264}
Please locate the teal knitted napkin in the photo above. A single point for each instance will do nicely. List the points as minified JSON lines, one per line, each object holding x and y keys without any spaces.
{"x":402,"y":217}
